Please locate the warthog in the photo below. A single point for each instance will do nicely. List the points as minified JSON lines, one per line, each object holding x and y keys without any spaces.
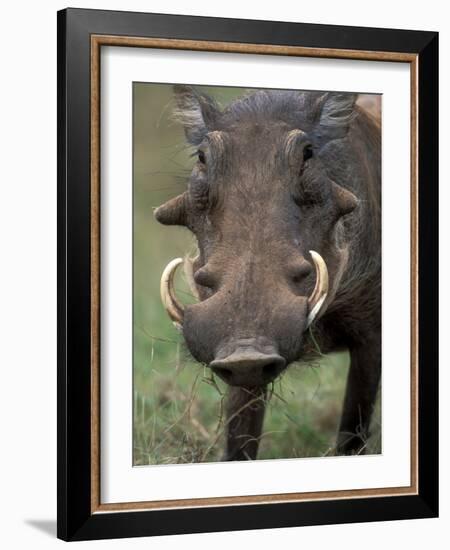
{"x":284,"y":201}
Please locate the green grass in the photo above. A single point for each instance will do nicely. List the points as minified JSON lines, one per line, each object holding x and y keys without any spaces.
{"x":177,"y":404}
{"x":178,"y":411}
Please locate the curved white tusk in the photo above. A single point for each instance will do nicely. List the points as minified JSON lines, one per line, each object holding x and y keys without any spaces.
{"x":320,"y":292}
{"x":174,"y":308}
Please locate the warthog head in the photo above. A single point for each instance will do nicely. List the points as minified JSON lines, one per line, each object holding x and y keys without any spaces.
{"x":267,"y":214}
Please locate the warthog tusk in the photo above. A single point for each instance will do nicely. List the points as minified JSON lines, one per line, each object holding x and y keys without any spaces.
{"x":174,"y":308}
{"x":320,"y":292}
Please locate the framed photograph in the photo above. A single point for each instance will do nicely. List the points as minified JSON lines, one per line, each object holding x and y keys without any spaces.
{"x":247,"y":254}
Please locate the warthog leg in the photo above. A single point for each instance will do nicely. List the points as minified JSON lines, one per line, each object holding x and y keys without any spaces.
{"x":362,"y":386}
{"x":244,"y":416}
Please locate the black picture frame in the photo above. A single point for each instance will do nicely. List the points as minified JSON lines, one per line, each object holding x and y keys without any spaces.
{"x":75,"y":518}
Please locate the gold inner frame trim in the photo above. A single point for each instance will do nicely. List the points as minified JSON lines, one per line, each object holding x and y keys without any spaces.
{"x":97,"y":41}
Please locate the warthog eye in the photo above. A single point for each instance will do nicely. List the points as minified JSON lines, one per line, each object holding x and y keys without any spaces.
{"x":201,"y":157}
{"x":307,"y":152}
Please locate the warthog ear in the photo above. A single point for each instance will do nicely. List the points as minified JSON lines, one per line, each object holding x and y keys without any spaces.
{"x":336,"y":111}
{"x":197,"y":112}
{"x":173,"y":212}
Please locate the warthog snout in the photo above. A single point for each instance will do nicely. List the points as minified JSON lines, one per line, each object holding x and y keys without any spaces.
{"x":248,"y":367}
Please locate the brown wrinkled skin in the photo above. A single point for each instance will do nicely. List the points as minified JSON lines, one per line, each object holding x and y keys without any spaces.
{"x":280,"y":174}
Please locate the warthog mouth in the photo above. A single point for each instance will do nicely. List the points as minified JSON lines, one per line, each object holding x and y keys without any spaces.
{"x":241,"y":361}
{"x":175,"y":308}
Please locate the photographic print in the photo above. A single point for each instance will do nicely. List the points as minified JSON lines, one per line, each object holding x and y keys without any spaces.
{"x":247,"y":265}
{"x":256,"y":274}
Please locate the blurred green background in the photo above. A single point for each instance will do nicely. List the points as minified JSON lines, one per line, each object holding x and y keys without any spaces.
{"x":177,"y":404}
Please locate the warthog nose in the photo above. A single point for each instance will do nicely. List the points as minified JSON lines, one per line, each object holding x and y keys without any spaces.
{"x":248,"y":368}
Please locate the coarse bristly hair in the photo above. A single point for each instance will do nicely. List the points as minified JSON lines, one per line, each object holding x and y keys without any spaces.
{"x":329,"y":112}
{"x":197,"y":112}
